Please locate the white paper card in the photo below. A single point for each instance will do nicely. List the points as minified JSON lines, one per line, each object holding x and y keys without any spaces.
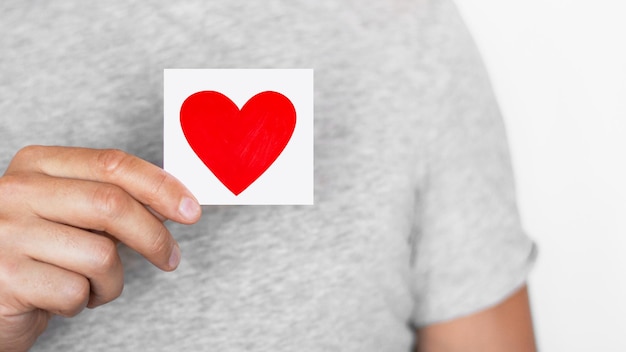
{"x":215,"y":148}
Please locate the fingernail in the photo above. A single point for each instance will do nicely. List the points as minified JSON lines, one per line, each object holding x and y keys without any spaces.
{"x":174,"y":257}
{"x":189,"y":208}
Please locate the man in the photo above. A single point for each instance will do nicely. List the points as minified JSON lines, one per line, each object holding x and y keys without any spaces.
{"x":414,"y":230}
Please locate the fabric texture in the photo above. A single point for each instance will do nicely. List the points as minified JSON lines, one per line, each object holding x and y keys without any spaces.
{"x":414,"y":219}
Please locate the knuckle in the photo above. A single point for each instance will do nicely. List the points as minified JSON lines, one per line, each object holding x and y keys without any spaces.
{"x":10,"y":186}
{"x":161,"y":182}
{"x":75,"y":296}
{"x":30,"y":152}
{"x":111,"y":161}
{"x":160,"y":244}
{"x":111,"y":201}
{"x":104,"y":257}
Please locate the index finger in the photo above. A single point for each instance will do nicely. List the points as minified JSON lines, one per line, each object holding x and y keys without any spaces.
{"x":144,"y":181}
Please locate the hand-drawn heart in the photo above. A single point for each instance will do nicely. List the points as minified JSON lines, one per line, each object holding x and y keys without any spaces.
{"x":238,"y":146}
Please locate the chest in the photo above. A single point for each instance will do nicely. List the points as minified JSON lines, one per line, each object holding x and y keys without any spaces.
{"x":93,"y":77}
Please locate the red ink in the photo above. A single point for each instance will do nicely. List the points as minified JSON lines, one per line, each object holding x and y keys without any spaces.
{"x":238,"y":146}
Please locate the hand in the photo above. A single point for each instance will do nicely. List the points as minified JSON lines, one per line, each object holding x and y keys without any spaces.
{"x":62,"y":210}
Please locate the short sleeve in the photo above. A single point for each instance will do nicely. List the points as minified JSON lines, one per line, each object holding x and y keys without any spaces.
{"x":470,"y":251}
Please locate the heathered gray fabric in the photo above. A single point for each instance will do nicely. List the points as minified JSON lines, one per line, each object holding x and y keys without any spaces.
{"x":414,"y":219}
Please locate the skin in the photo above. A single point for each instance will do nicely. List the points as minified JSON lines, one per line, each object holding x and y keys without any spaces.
{"x":504,"y":327}
{"x":62,"y":212}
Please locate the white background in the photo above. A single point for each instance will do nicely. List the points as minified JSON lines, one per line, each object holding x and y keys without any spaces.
{"x":559,"y":71}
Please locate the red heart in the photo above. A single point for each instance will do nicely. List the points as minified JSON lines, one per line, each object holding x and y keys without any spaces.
{"x":238,"y":146}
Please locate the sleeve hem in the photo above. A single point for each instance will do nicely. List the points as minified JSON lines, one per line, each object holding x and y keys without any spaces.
{"x":492,"y":298}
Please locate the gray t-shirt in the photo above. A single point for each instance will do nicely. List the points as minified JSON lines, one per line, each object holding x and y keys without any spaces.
{"x":414,"y":219}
